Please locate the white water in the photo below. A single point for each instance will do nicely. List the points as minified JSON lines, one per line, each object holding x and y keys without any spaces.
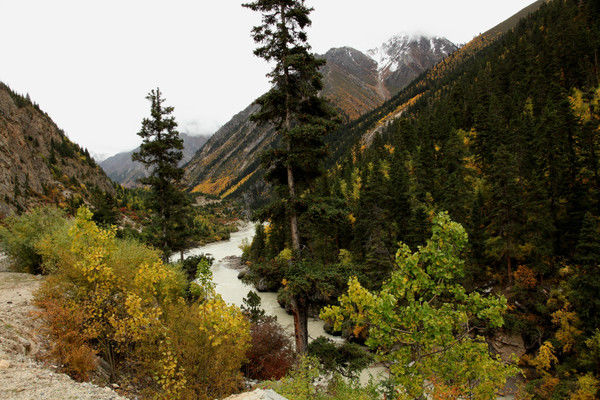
{"x":233,"y":290}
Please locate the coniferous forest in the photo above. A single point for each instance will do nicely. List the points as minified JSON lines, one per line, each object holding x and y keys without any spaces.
{"x":448,"y":238}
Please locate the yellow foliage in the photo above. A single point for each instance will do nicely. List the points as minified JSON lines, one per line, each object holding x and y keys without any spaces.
{"x":126,"y":304}
{"x":567,"y":332}
{"x":587,"y":388}
{"x":545,"y":358}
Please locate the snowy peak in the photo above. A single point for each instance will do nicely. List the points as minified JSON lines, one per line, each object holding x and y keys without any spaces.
{"x":410,"y":48}
{"x":405,"y":56}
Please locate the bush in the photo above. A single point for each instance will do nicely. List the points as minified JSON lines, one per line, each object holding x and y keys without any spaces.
{"x":192,"y":264}
{"x":306,"y":382}
{"x":69,"y":346}
{"x":207,"y":342}
{"x":271,"y":353}
{"x":19,"y":235}
{"x":117,"y":299}
{"x":347,"y":359}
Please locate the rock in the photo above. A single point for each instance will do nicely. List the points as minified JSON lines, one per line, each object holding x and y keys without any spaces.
{"x":258,"y":394}
{"x":262,"y":285}
{"x":4,"y":364}
{"x":233,"y":262}
{"x":507,"y":345}
{"x":243,"y":272}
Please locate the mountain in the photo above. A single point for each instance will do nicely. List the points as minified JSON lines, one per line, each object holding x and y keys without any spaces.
{"x":121,"y":169}
{"x":38,"y":163}
{"x":355,"y":83}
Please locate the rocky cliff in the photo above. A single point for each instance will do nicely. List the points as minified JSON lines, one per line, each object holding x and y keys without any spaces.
{"x":38,"y":162}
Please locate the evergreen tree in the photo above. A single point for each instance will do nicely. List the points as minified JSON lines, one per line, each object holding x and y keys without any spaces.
{"x":299,"y":115}
{"x":161,"y":152}
{"x":585,"y":285}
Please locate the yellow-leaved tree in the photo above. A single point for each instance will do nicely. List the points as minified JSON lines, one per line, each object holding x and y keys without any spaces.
{"x":117,"y":299}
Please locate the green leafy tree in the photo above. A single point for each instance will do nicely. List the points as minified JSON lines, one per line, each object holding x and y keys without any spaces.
{"x":423,"y":323}
{"x":300,"y":117}
{"x":161,"y":152}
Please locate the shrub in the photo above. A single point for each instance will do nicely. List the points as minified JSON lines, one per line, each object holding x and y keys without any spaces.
{"x":69,"y":346}
{"x":20,"y":234}
{"x":192,"y":264}
{"x":347,"y":359}
{"x":271,"y":353}
{"x":208,"y":340}
{"x":117,"y":299}
{"x":306,"y":382}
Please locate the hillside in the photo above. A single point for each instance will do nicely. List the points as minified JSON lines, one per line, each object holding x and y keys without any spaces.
{"x":504,"y":137}
{"x":38,"y":162}
{"x":355,"y":82}
{"x":121,"y":169}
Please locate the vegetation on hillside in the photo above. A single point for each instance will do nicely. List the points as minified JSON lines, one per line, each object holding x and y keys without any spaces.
{"x":115,"y":311}
{"x":506,"y":140}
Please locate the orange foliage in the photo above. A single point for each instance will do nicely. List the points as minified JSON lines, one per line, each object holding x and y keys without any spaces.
{"x":212,"y":187}
{"x":68,"y":345}
{"x":525,"y":277}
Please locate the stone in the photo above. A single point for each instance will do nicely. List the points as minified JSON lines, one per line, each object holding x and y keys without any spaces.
{"x":4,"y":364}
{"x":258,"y":394}
{"x":507,"y":345}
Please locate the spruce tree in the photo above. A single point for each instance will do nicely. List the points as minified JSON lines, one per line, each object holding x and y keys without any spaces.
{"x":299,"y":115}
{"x":161,"y":152}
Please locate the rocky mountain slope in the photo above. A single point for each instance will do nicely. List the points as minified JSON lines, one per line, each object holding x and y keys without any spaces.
{"x":121,"y":169}
{"x":38,"y":163}
{"x":355,"y":83}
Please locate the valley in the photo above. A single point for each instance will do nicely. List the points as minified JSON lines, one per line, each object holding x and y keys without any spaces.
{"x":422,"y":210}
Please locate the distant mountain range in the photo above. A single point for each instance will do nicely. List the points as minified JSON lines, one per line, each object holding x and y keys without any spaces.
{"x":121,"y":169}
{"x":355,"y":82}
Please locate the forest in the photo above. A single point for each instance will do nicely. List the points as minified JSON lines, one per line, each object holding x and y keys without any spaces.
{"x":506,"y":140}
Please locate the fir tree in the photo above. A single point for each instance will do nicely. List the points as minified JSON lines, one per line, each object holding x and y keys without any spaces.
{"x":299,"y":115}
{"x":161,"y":152}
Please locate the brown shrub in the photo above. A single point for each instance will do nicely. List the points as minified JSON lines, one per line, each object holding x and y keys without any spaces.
{"x":69,"y":345}
{"x":271,"y":353}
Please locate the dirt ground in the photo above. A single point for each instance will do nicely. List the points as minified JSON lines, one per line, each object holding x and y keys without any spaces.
{"x":22,"y":376}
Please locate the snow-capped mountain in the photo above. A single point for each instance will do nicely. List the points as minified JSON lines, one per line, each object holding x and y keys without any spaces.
{"x":354,"y":82}
{"x":404,"y":56}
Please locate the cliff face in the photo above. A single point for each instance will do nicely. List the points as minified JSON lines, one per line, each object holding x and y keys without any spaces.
{"x":38,"y":163}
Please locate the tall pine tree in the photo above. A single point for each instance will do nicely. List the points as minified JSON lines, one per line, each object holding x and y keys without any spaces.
{"x":300,"y":117}
{"x":161,"y":152}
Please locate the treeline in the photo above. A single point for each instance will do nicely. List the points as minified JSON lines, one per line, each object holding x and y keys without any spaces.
{"x":507,"y":142}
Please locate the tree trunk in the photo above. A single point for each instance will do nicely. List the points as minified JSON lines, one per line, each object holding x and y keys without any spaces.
{"x":299,"y":305}
{"x":300,"y":311}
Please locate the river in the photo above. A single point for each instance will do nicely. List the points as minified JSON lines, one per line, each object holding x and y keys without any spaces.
{"x":233,"y":290}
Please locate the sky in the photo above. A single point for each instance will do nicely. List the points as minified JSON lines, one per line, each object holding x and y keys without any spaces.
{"x":89,"y":64}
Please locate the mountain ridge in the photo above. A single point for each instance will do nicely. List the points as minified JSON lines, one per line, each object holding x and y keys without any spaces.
{"x":121,"y":169}
{"x":352,"y":81}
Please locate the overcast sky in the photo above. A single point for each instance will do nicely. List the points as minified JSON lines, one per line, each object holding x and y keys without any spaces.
{"x":89,"y":64}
